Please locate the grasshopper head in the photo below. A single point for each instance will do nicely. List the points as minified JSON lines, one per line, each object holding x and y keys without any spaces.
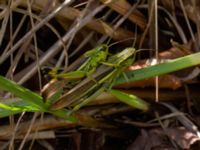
{"x":128,"y":52}
{"x":102,"y":47}
{"x":122,"y":56}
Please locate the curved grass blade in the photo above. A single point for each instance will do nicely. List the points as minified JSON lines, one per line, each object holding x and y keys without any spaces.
{"x":23,"y":106}
{"x":65,"y":114}
{"x":130,"y":99}
{"x":15,"y":108}
{"x":25,"y":94}
{"x":30,"y":101}
{"x":53,"y":98}
{"x":160,"y":69}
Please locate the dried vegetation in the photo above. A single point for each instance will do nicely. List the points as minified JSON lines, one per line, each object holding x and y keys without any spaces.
{"x":37,"y":33}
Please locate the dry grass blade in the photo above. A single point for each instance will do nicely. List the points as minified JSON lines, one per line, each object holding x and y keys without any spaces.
{"x":38,"y":26}
{"x":39,"y":34}
{"x":96,"y":25}
{"x":4,"y":23}
{"x":47,"y":123}
{"x":184,"y":120}
{"x":122,"y":7}
{"x":57,"y":46}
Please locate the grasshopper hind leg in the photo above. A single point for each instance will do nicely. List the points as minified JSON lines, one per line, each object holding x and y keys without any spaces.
{"x":87,"y":100}
{"x":89,"y":75}
{"x":125,"y":77}
{"x":92,"y":79}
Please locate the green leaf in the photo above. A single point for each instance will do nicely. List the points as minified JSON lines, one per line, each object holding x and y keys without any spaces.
{"x":23,"y":93}
{"x":16,"y":107}
{"x":130,"y":99}
{"x":53,"y":98}
{"x":6,"y":113}
{"x":30,"y":101}
{"x":160,"y":69}
{"x":63,"y":113}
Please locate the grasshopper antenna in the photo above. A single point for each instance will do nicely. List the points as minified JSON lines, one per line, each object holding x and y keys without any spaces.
{"x":140,"y":50}
{"x":134,"y":42}
{"x":131,"y":38}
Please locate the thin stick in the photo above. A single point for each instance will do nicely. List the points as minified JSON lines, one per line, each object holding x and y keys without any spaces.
{"x":156,"y":47}
{"x":38,"y":26}
{"x":56,"y":47}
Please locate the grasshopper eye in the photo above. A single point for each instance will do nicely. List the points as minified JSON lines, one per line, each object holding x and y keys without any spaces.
{"x":103,"y":47}
{"x":45,"y":70}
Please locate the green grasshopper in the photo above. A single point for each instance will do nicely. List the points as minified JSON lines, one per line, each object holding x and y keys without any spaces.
{"x":105,"y":75}
{"x":91,"y":60}
{"x":94,"y":58}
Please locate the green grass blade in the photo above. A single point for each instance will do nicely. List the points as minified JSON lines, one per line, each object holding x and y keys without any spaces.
{"x":160,"y":69}
{"x":24,"y":106}
{"x":30,"y":101}
{"x":53,"y":98}
{"x":6,"y":113}
{"x":63,"y":113}
{"x":22,"y":93}
{"x":130,"y":99}
{"x":15,"y":108}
